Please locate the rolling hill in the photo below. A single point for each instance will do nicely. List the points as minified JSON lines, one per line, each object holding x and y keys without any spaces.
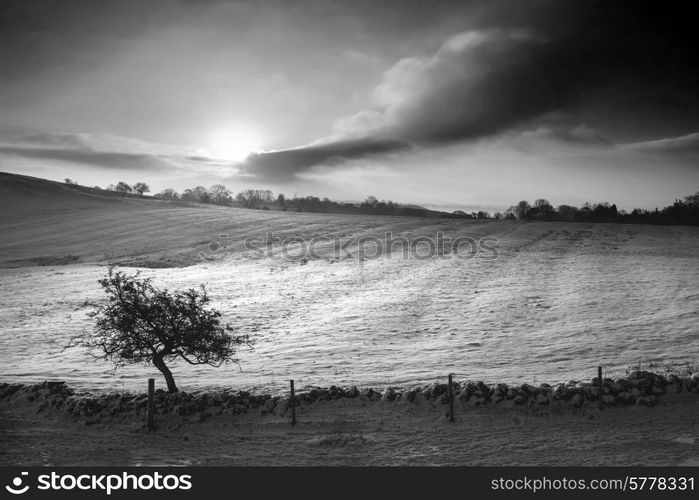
{"x":50,"y":223}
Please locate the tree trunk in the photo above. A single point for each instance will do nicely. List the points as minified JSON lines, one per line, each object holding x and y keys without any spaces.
{"x":169,"y":379}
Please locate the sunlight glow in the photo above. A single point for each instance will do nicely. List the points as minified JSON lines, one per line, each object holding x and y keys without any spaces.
{"x":234,"y":143}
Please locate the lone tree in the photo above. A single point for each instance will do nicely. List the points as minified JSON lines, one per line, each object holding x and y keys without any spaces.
{"x":219,"y":194}
{"x":123,"y":188}
{"x":141,"y":187}
{"x":523,"y":209}
{"x":143,"y":324}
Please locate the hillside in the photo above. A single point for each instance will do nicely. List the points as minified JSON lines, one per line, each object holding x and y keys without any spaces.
{"x":49,"y":223}
{"x":569,"y":296}
{"x":23,"y":195}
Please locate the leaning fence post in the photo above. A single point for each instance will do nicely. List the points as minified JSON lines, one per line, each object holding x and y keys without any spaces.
{"x":451,"y":400}
{"x":151,"y":403}
{"x":292,"y":403}
{"x":599,"y":384}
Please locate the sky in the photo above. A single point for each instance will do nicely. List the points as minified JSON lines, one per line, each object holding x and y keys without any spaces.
{"x":451,"y":104}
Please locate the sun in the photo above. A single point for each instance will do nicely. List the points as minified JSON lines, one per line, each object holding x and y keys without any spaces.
{"x":234,"y":143}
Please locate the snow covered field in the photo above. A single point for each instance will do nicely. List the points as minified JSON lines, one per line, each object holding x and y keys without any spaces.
{"x":559,"y":300}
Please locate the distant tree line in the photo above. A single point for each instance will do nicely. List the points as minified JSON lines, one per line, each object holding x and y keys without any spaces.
{"x":684,"y":211}
{"x":120,"y":187}
{"x":124,"y":188}
{"x":264,"y":199}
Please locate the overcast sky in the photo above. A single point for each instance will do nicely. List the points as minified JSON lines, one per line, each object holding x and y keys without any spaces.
{"x":453,"y":104}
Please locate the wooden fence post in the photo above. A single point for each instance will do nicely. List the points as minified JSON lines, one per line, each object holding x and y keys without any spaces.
{"x":151,"y":403}
{"x":451,"y":400}
{"x":292,"y":403}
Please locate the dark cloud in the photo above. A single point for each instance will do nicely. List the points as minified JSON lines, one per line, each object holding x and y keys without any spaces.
{"x":202,"y":159}
{"x":577,"y":136}
{"x":104,"y":159}
{"x":97,"y":150}
{"x":513,"y":69}
{"x":491,"y":78}
{"x":43,"y":139}
{"x":477,"y":84}
{"x":687,"y":145}
{"x":473,"y":69}
{"x":281,"y":166}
